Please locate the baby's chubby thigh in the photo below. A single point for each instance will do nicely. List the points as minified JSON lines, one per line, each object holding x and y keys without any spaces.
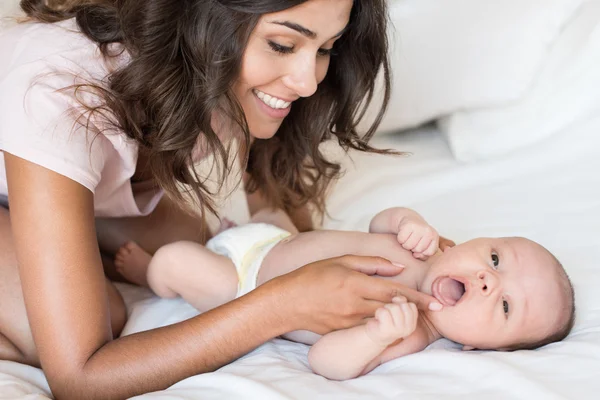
{"x":280,"y":260}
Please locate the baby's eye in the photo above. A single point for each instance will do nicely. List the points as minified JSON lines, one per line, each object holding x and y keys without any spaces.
{"x":495,"y":259}
{"x":505,"y":306}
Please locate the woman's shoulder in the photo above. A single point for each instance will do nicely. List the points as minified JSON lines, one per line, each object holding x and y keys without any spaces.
{"x":41,"y":117}
{"x":40,"y":48}
{"x":30,"y":41}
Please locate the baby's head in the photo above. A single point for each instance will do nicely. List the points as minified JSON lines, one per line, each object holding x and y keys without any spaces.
{"x":500,"y":294}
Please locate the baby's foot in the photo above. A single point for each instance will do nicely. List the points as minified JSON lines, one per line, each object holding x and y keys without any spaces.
{"x":132,"y":262}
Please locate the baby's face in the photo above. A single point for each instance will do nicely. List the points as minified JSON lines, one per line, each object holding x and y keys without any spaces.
{"x":496,"y":293}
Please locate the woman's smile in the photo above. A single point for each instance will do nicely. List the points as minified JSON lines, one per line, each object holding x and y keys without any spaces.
{"x":273,"y":107}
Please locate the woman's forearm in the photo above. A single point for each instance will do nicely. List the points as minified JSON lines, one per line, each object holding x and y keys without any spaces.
{"x":153,"y":360}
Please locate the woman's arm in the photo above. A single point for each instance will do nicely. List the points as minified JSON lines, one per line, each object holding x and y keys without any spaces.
{"x":67,"y":302}
{"x":301,"y":217}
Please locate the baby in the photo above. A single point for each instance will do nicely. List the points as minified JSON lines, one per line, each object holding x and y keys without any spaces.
{"x":497,"y":293}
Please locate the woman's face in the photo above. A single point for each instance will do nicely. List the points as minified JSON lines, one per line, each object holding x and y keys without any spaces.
{"x":286,"y":58}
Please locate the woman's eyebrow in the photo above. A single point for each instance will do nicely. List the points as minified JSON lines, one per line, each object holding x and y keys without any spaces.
{"x":297,"y":27}
{"x":302,"y":30}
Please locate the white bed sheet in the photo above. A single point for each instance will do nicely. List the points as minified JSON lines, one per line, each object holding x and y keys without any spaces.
{"x":550,"y":193}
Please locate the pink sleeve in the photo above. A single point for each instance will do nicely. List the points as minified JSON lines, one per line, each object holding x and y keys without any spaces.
{"x":38,"y":122}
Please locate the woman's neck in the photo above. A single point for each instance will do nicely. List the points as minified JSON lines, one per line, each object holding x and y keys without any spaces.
{"x":142,"y":168}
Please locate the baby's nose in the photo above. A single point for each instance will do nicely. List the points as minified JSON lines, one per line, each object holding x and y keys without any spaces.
{"x":487,"y":282}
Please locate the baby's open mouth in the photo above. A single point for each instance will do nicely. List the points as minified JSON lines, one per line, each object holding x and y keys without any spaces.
{"x":447,"y":291}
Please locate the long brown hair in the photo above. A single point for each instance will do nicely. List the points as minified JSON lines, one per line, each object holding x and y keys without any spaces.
{"x":185,"y":57}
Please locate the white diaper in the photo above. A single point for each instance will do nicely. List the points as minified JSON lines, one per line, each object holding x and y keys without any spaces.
{"x":247,"y":246}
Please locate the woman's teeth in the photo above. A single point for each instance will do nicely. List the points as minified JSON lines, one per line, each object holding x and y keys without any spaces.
{"x":271,"y":101}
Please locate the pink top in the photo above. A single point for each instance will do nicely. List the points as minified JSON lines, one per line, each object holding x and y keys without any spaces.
{"x":38,"y":121}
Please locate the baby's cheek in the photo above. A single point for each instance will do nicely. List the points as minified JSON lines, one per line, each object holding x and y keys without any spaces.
{"x":450,"y":323}
{"x":440,"y":319}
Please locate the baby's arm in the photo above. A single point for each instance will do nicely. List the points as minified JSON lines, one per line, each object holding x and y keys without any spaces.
{"x":348,"y":353}
{"x":307,"y":247}
{"x":389,"y":220}
{"x":412,"y":231}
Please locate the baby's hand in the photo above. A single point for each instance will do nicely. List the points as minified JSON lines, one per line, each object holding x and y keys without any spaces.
{"x":416,"y":235}
{"x":393,"y":321}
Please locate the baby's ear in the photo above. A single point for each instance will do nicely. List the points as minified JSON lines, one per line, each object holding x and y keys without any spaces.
{"x":467,"y":348}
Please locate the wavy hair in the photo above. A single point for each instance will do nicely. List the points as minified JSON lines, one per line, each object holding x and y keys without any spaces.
{"x":185,"y":56}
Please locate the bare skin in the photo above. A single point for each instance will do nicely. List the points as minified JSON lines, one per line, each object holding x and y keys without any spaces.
{"x":69,"y":308}
{"x":206,"y":279}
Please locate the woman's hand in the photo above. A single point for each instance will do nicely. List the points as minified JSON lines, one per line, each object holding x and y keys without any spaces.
{"x":338,"y":293}
{"x":446,"y":243}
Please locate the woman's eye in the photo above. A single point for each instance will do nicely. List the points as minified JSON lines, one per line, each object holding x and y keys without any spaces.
{"x":325,"y":52}
{"x":495,"y":259}
{"x":505,"y":306}
{"x":276,"y":47}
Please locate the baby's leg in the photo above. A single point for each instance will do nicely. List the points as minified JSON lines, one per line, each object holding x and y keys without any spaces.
{"x":204,"y":279}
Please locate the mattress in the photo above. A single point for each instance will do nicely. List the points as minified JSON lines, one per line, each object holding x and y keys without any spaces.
{"x":549,"y":192}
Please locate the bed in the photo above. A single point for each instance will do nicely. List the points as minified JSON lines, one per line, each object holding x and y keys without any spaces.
{"x":550,"y":193}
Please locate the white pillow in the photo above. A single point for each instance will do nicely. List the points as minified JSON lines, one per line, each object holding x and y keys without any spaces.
{"x":450,"y":55}
{"x":8,"y":10}
{"x":565,"y":91}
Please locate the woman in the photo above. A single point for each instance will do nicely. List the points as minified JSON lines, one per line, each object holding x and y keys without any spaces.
{"x":92,"y":139}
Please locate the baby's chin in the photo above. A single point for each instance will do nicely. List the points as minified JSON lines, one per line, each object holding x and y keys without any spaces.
{"x":448,"y":327}
{"x":470,"y":343}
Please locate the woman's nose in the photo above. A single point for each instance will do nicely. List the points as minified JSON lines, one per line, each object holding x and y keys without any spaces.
{"x":302,"y":77}
{"x":488,"y":282}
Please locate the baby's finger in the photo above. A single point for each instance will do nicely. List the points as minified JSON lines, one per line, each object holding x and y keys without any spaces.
{"x":409,"y":315}
{"x":423,"y":244}
{"x":412,"y":241}
{"x":413,"y":308}
{"x":399,"y":300}
{"x":410,"y":312}
{"x":414,"y":314}
{"x":396,"y":313}
{"x":381,"y":313}
{"x":404,"y":235}
{"x":433,"y":247}
{"x":383,"y":316}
